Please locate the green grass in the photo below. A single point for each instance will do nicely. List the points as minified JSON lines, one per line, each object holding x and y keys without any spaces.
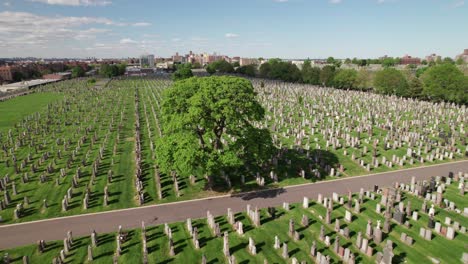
{"x":66,"y":110}
{"x":14,"y":110}
{"x":447,"y":251}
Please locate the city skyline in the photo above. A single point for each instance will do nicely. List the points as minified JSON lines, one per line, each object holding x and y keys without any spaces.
{"x":260,"y":28}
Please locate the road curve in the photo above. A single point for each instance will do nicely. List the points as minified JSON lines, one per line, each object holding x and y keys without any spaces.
{"x":15,"y":235}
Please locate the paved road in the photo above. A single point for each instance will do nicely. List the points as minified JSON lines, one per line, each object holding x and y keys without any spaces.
{"x":82,"y":225}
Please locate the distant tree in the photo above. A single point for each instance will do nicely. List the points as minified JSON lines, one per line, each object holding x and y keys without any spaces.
{"x":391,"y":81}
{"x":17,"y":76}
{"x":326,"y":75}
{"x":310,"y":75}
{"x":224,"y":66}
{"x":460,"y":61}
{"x":221,"y":66}
{"x":348,"y":61}
{"x":420,"y":71}
{"x":249,"y":70}
{"x":397,"y":60}
{"x":445,"y":82}
{"x":265,"y":69}
{"x":235,"y":64}
{"x":415,"y":87}
{"x":448,"y":60}
{"x":77,"y":71}
{"x":388,"y":62}
{"x":345,"y":79}
{"x":362,"y":63}
{"x":196,"y":65}
{"x":112,"y":70}
{"x":211,"y":69}
{"x":424,"y":62}
{"x":355,"y":61}
{"x":183,"y":71}
{"x":200,"y":116}
{"x":331,"y":60}
{"x":364,"y":79}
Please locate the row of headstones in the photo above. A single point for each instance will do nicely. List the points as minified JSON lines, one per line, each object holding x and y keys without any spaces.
{"x":62,"y":171}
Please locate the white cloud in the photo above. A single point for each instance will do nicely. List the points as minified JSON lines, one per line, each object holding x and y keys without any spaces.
{"x":7,"y":4}
{"x":458,"y":3}
{"x":231,"y":35}
{"x":75,"y":2}
{"x":281,"y":1}
{"x":128,"y":41}
{"x":26,"y":29}
{"x":141,"y":24}
{"x":335,"y":1}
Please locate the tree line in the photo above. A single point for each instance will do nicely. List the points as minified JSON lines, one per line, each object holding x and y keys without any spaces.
{"x":438,"y":82}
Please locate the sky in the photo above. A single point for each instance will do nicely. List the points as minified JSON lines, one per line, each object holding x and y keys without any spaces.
{"x":247,"y":28}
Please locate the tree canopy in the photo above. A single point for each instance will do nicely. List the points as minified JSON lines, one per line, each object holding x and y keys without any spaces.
{"x":112,"y":70}
{"x":281,"y":70}
{"x":183,"y":71}
{"x":221,"y":66}
{"x":445,"y":82}
{"x":326,"y":75}
{"x":391,"y":81}
{"x":208,"y":127}
{"x":310,"y":74}
{"x":78,"y":71}
{"x":249,"y":70}
{"x":345,"y":79}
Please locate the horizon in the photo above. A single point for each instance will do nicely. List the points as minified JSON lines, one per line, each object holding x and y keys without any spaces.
{"x":286,"y":29}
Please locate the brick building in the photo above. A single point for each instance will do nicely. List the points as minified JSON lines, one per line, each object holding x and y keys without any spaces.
{"x":406,"y":60}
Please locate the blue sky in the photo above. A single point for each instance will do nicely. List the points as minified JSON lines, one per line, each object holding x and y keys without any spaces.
{"x":248,"y":28}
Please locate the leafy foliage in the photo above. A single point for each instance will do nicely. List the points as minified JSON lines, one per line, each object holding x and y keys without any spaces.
{"x":112,"y":70}
{"x":77,"y":71}
{"x":183,"y":71}
{"x":445,"y":82}
{"x":345,"y":79}
{"x":326,"y":75}
{"x":249,"y":70}
{"x":281,"y":70}
{"x":221,"y":66}
{"x":310,"y":74}
{"x":391,"y":81}
{"x":208,"y":127}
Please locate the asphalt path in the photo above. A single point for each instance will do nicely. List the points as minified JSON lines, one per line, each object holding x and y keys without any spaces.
{"x":15,"y":235}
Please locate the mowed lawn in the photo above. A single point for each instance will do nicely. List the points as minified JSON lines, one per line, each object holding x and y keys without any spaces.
{"x":14,"y":110}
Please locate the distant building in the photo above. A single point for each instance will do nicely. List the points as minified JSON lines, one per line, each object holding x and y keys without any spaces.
{"x":57,"y":76}
{"x":177,"y":58}
{"x":147,"y":60}
{"x":463,"y":56}
{"x":6,"y":73}
{"x":248,"y":61}
{"x":406,"y":60}
{"x":433,"y":58}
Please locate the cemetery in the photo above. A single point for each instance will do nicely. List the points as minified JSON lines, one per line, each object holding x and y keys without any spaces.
{"x":419,"y":222}
{"x":80,"y":148}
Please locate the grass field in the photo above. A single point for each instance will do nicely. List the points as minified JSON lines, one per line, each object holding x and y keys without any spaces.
{"x":14,"y":110}
{"x":81,"y":121}
{"x":446,"y":251}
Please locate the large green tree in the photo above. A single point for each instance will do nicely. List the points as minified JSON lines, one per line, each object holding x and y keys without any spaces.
{"x":208,"y":127}
{"x":310,"y":75}
{"x":183,"y":71}
{"x":78,"y":71}
{"x":445,"y":82}
{"x":391,"y":81}
{"x":345,"y":79}
{"x":326,"y":75}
